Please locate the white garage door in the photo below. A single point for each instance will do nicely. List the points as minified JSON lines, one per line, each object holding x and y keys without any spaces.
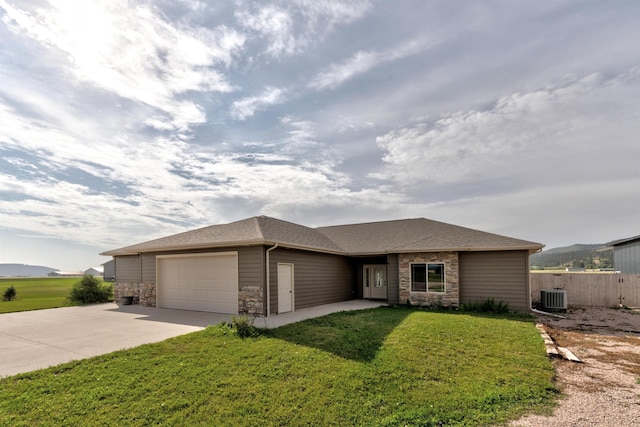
{"x":201,"y":282}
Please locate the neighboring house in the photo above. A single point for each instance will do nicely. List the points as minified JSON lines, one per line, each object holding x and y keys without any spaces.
{"x":94,"y":271}
{"x":109,"y":271}
{"x":65,"y":273}
{"x":263,"y":266}
{"x":626,"y":255}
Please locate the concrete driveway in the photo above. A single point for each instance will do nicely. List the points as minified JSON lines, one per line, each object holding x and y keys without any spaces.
{"x":31,"y":340}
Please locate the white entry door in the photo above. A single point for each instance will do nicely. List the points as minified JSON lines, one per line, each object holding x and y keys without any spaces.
{"x":285,"y":288}
{"x":374,"y":282}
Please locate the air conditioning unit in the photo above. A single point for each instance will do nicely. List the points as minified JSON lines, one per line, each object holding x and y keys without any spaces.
{"x":554,"y":299}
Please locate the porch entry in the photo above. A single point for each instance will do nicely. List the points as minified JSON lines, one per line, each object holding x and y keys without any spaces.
{"x":285,"y":288}
{"x":374,"y":282}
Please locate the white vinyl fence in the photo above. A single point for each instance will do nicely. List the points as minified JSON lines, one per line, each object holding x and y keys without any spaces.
{"x":590,"y":289}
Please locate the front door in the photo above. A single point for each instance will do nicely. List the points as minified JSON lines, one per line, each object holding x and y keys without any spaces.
{"x":285,"y":288}
{"x":374,"y":282}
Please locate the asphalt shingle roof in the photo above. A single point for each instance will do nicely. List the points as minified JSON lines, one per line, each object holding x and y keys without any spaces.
{"x":255,"y":230}
{"x":419,"y":234}
{"x":409,"y":235}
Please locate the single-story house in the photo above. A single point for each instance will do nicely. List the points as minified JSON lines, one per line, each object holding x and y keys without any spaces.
{"x":263,"y":266}
{"x":94,"y":271}
{"x":109,"y":271}
{"x":57,"y":273}
{"x":626,"y":255}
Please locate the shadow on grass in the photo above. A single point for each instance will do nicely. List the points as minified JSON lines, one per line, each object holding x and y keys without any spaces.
{"x":355,"y":335}
{"x":359,"y":335}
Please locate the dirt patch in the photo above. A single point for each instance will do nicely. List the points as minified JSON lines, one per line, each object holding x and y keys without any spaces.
{"x":605,"y":388}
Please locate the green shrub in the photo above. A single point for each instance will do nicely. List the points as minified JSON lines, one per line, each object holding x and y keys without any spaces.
{"x":9,"y":294}
{"x":487,"y":306}
{"x":244,"y":326}
{"x":241,"y":326}
{"x":90,"y":290}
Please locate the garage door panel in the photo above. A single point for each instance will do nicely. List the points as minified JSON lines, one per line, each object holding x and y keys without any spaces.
{"x":207,"y":282}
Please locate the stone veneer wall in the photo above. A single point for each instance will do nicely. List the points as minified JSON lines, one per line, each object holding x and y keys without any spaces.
{"x":250,"y":298}
{"x":251,"y":301}
{"x":451,"y":296}
{"x":145,"y":293}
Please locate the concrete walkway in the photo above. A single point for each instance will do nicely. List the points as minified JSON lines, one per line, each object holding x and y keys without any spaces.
{"x":38,"y":339}
{"x":309,"y":313}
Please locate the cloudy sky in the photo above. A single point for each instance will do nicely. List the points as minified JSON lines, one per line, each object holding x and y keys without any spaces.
{"x":123,"y":121}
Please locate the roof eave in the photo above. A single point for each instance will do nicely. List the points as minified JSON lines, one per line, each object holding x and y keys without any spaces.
{"x":531,"y":249}
{"x":123,"y":252}
{"x":622,"y":241}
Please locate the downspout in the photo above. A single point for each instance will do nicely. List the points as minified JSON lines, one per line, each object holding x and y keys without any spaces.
{"x":546,"y":313}
{"x":528,"y":271}
{"x":268,"y":284}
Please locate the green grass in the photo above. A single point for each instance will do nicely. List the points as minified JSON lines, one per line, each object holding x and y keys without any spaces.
{"x":37,"y":293}
{"x":384,"y":367}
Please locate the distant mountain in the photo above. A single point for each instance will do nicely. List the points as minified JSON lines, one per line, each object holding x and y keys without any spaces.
{"x":576,"y":256}
{"x":24,"y":270}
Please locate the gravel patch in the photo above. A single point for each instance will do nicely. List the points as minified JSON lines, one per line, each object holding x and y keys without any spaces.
{"x":605,"y":388}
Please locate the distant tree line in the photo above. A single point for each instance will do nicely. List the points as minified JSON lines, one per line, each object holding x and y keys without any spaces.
{"x":588,"y":259}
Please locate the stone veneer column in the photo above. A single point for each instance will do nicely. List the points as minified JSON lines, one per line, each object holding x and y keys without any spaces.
{"x":251,"y":301}
{"x":451,"y":296}
{"x":144,"y":292}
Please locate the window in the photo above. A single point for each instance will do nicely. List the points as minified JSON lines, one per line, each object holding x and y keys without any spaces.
{"x":427,"y":277}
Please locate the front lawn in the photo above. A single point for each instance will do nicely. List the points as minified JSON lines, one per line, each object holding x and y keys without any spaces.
{"x":385,"y":366}
{"x":37,"y":293}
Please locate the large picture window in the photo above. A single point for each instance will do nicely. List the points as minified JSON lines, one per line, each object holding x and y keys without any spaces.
{"x":427,"y":277}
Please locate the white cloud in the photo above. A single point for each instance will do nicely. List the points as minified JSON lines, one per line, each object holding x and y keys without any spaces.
{"x":279,"y":189}
{"x":362,"y":62}
{"x":291,"y":26}
{"x":274,"y":23}
{"x":523,"y":135}
{"x":584,"y":212}
{"x":133,"y":52}
{"x":116,"y":115}
{"x":246,"y":107}
{"x":162,"y":183}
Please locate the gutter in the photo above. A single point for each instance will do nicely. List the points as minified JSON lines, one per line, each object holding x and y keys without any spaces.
{"x":268,"y":284}
{"x":123,"y":252}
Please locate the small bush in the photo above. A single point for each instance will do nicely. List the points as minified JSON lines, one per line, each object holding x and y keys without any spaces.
{"x":244,"y":326}
{"x":90,"y":290}
{"x":9,"y":294}
{"x":241,"y":326}
{"x":487,"y":306}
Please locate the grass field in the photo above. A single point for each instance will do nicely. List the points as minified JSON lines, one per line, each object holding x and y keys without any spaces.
{"x":384,"y":367}
{"x":37,"y":293}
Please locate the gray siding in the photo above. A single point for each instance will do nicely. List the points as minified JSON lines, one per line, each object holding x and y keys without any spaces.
{"x":148,"y":268}
{"x":128,"y":269}
{"x":137,"y":269}
{"x":626,"y":257}
{"x":502,"y":275}
{"x":318,"y":278}
{"x":109,"y":270}
{"x":393,"y":278}
{"x":251,"y":270}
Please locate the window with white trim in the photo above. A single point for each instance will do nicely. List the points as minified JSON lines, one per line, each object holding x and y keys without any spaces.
{"x":427,"y":277}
